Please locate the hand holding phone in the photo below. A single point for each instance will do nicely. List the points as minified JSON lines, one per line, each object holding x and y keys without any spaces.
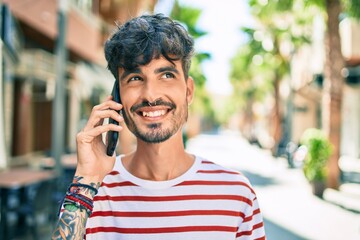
{"x":112,"y":136}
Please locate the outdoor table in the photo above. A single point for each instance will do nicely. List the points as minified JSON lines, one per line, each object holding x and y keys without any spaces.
{"x":17,"y":178}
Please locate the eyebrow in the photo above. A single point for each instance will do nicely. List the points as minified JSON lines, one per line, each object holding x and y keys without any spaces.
{"x":127,"y":72}
{"x":166,"y":69}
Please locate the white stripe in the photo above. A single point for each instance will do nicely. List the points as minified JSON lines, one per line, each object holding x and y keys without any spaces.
{"x":171,"y":206}
{"x":168,"y":236}
{"x":159,"y":222}
{"x":166,"y":189}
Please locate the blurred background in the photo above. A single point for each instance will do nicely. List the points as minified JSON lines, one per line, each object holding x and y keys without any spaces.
{"x":277,"y":98}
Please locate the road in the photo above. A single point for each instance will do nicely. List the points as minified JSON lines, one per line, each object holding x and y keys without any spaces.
{"x":290,"y":210}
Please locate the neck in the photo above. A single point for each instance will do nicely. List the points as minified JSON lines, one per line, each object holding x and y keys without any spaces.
{"x":160,"y":161}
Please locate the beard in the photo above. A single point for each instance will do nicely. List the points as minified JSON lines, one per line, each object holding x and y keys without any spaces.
{"x":157,"y":132}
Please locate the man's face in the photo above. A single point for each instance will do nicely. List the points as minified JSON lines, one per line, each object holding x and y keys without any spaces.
{"x":155,"y":99}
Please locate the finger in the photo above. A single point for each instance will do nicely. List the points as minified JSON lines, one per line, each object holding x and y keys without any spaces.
{"x":106,"y":105}
{"x":99,"y":117}
{"x":101,"y":111}
{"x":90,"y":135}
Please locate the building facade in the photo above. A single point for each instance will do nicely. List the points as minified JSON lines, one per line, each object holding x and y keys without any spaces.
{"x":29,"y":38}
{"x":307,"y":78}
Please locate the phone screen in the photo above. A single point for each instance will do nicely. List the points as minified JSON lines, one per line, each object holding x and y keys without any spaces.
{"x":112,"y":136}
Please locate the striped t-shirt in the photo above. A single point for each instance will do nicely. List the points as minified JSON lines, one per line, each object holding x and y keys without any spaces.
{"x":208,"y":202}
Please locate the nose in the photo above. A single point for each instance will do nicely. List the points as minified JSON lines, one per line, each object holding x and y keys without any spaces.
{"x":151,"y":91}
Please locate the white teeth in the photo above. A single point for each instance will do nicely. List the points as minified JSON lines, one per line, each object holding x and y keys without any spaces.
{"x":154,"y":113}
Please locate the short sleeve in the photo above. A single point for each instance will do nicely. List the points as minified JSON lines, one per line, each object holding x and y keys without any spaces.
{"x":252,"y":226}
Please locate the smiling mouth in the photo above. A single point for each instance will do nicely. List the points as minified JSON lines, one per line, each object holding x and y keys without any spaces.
{"x":157,"y":113}
{"x":153,"y":111}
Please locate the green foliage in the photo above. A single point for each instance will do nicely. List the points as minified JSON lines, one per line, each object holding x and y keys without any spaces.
{"x":202,"y":103}
{"x":189,"y":17}
{"x":249,"y":80}
{"x":319,"y":151}
{"x":318,"y":3}
{"x":196,"y":71}
{"x":352,"y":8}
{"x":272,"y":5}
{"x":259,"y":66}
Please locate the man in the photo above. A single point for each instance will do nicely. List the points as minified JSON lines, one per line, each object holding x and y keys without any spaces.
{"x":159,"y":191}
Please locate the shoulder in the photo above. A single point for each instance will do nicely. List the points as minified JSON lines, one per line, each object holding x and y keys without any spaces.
{"x":207,"y":166}
{"x":216,"y":172}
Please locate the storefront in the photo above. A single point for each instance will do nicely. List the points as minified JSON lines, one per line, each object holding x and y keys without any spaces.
{"x":11,"y":48}
{"x":349,"y":161}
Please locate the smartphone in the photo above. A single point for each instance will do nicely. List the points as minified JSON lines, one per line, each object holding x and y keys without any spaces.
{"x":112,"y":136}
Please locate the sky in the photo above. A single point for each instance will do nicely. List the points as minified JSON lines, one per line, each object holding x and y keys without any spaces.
{"x":222,"y":20}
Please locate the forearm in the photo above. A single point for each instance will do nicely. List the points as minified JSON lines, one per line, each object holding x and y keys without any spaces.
{"x":71,"y":224}
{"x":92,"y":166}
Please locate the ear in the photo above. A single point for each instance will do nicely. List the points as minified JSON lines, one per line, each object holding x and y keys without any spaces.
{"x":190,"y":90}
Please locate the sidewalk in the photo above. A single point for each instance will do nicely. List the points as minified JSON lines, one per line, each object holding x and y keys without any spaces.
{"x":290,"y":210}
{"x":347,"y":197}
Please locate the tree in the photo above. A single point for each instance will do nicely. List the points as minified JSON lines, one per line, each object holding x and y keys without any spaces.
{"x":334,"y":81}
{"x":334,"y":64}
{"x":189,"y":16}
{"x":249,"y":86}
{"x":265,"y":60}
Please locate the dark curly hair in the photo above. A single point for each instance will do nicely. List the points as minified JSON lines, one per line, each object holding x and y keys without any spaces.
{"x":144,"y":38}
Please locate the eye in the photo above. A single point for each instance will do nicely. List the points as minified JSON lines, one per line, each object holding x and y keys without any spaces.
{"x":168,"y":75}
{"x":135,"y":78}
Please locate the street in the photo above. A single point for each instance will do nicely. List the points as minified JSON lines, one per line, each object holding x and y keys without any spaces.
{"x":290,"y":210}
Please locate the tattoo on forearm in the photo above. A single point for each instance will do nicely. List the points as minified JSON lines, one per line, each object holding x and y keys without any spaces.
{"x":71,"y":224}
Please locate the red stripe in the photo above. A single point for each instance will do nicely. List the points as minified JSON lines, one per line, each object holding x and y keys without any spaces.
{"x":167,"y":214}
{"x":173,"y":198}
{"x":218,"y":171}
{"x":247,"y":233}
{"x":118,"y":184}
{"x":216,"y":183}
{"x":206,"y":162}
{"x":162,"y":230}
{"x":186,"y":183}
{"x":260,"y":238}
{"x":114,"y":173}
{"x":201,"y":182}
{"x":247,"y":219}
